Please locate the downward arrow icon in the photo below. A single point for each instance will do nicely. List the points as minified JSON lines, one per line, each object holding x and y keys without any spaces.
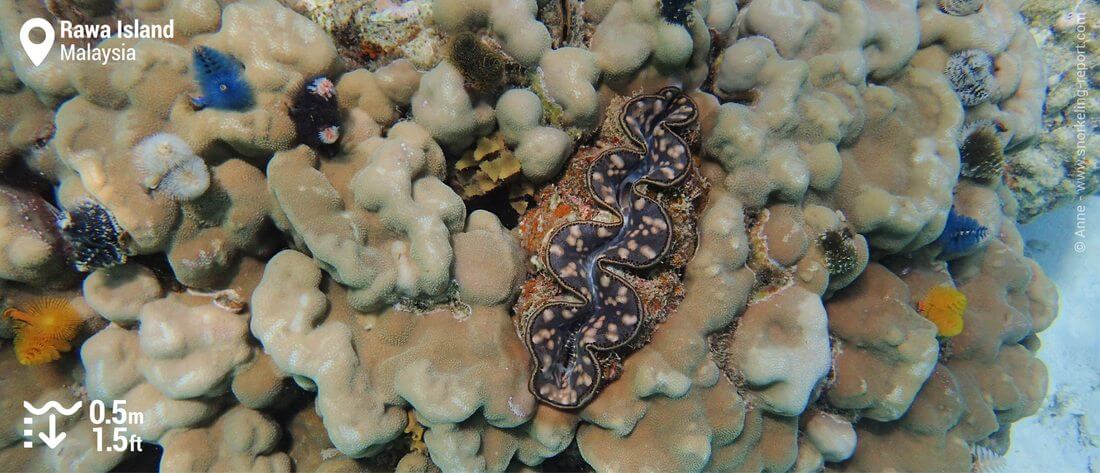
{"x":55,"y":438}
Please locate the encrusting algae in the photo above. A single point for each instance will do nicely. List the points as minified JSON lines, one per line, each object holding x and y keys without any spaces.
{"x":945,"y":307}
{"x":44,"y":330}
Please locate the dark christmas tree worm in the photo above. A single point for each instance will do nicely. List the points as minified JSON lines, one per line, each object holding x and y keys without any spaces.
{"x":570,"y":338}
{"x":93,"y":238}
{"x":316,"y":115}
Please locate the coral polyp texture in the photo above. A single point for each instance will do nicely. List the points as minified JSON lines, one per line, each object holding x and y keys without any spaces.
{"x":467,"y":235}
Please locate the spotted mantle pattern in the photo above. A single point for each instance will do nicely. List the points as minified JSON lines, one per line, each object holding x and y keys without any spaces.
{"x":602,"y":313}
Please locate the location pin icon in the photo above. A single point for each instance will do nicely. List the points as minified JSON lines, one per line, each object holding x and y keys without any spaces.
{"x":36,"y":51}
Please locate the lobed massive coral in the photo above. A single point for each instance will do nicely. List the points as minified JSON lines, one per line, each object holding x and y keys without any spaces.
{"x":747,"y":230}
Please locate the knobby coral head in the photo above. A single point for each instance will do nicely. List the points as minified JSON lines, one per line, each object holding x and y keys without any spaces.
{"x":44,"y":330}
{"x":571,"y":339}
{"x":221,"y":79}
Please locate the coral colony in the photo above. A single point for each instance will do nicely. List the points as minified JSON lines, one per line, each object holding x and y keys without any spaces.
{"x":466,"y":235}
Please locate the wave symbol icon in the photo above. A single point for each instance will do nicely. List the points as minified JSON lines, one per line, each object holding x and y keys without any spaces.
{"x":52,"y":438}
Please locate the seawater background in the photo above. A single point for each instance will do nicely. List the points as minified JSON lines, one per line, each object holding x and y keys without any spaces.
{"x":1064,"y":436}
